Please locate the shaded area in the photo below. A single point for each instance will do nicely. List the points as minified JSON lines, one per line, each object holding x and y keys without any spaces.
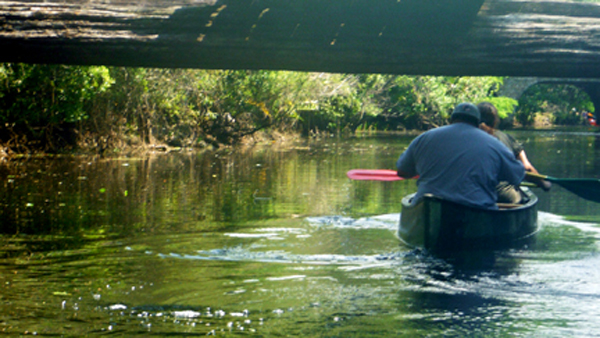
{"x":301,"y":35}
{"x":464,"y":37}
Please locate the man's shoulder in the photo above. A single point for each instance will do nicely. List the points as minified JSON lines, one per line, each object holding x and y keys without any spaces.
{"x":440,"y":130}
{"x":433,"y":135}
{"x":455,"y":132}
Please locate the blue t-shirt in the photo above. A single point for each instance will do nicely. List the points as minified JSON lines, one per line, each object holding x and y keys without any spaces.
{"x":460,"y":163}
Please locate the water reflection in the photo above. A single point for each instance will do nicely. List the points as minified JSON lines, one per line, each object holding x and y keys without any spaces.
{"x":271,"y":242}
{"x":172,"y":284}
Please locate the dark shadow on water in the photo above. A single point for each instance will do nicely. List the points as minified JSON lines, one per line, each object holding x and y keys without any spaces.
{"x":454,"y":294}
{"x":467,"y":264}
{"x":451,"y":314}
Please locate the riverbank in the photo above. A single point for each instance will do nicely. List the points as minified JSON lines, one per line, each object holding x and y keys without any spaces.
{"x":126,"y":145}
{"x":113,"y":146}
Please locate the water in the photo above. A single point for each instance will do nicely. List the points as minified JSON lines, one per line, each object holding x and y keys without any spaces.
{"x":278,"y":242}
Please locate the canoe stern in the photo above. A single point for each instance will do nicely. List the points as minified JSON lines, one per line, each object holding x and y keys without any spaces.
{"x":439,"y":225}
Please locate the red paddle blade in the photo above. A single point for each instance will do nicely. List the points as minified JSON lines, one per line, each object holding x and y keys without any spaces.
{"x":373,"y":175}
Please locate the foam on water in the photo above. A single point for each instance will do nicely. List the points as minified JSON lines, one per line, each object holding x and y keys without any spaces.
{"x":387,"y":221}
{"x":239,"y":254}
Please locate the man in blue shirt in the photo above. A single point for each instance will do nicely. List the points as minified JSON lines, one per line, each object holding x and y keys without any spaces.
{"x":460,"y":162}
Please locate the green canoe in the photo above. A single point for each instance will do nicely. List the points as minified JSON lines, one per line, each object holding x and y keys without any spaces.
{"x":439,"y":225}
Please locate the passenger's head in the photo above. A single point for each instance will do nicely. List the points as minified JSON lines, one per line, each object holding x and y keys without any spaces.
{"x":466,"y":112}
{"x":489,"y":114}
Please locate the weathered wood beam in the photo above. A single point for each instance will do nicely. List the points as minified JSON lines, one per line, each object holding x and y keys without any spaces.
{"x":537,"y":38}
{"x":439,"y":37}
{"x":313,"y":35}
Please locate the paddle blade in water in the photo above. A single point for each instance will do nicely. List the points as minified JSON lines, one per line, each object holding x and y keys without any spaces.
{"x":587,"y":188}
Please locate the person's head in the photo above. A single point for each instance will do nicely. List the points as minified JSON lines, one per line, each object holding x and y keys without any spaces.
{"x":467,"y":113}
{"x":489,"y":114}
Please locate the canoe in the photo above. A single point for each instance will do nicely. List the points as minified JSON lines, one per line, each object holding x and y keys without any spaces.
{"x":438,"y":225}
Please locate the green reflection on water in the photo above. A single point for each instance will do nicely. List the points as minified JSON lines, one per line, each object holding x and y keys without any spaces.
{"x":182,"y":244}
{"x":179,"y":192}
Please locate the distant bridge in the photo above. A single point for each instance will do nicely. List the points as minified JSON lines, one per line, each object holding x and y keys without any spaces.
{"x":554,"y":39}
{"x":515,"y":87}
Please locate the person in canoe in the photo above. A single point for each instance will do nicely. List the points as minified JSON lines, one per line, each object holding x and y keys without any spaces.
{"x":460,"y":162}
{"x":507,"y":193}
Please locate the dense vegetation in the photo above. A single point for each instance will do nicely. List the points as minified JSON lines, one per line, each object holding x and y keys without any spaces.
{"x":58,"y":108}
{"x":562,"y":104}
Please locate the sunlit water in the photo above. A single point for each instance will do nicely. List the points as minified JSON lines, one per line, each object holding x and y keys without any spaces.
{"x":278,"y":242}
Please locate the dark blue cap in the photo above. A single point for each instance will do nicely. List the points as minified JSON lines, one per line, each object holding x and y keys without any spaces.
{"x":467,"y":109}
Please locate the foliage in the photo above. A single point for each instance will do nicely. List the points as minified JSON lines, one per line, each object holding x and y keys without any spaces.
{"x":423,"y":102}
{"x":109,"y":108}
{"x":392,"y":102}
{"x":185,"y":107}
{"x":254,"y":100}
{"x":40,"y":95}
{"x":505,"y":105}
{"x":123,"y":109}
{"x":40,"y":102}
{"x":565,"y":102}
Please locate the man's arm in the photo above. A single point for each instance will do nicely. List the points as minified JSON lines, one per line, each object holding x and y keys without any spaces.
{"x":406,"y":165}
{"x":528,"y":166}
{"x":404,"y":174}
{"x":512,"y":170}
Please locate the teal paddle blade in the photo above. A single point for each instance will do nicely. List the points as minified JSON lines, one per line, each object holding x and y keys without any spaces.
{"x":587,"y":188}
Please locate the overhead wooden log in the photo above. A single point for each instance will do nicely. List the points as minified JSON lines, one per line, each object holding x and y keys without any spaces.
{"x":439,"y":37}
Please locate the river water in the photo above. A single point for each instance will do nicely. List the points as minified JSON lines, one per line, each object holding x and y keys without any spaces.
{"x":274,"y":242}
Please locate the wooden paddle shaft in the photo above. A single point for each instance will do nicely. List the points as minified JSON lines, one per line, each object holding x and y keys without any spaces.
{"x":536,"y":176}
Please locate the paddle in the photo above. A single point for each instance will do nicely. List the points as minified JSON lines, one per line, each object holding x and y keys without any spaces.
{"x":390,"y":175}
{"x":587,"y":188}
{"x":374,"y":175}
